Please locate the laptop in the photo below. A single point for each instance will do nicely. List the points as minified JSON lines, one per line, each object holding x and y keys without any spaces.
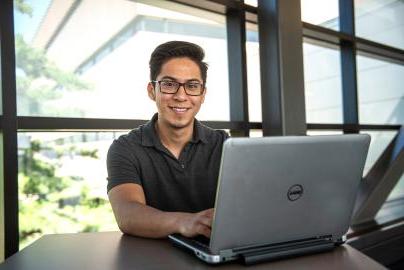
{"x":282,"y":196}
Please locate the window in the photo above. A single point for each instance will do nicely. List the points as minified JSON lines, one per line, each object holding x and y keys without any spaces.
{"x":322,"y":83}
{"x":62,"y":183}
{"x":378,"y":143}
{"x":323,"y":132}
{"x":398,"y":191}
{"x":255,"y":133}
{"x":253,"y":74}
{"x":323,"y":13}
{"x":65,"y":64}
{"x":380,"y":140}
{"x":381,"y":21}
{"x":380,"y":90}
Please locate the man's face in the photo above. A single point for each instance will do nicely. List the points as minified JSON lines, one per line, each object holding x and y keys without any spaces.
{"x":177,"y":110}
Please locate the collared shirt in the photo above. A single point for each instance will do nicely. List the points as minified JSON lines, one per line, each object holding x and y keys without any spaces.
{"x":186,"y":184}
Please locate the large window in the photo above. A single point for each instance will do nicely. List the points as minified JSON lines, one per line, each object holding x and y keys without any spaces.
{"x":381,"y":21}
{"x":398,"y":191}
{"x":322,"y":83}
{"x":62,"y":183}
{"x":380,"y":89}
{"x":323,"y":13}
{"x":67,"y":67}
{"x":79,"y":60}
{"x":378,"y":143}
{"x":253,"y":73}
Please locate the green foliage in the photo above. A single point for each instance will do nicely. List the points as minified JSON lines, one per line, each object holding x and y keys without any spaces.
{"x":89,"y":153}
{"x":42,"y":179}
{"x":23,"y":7}
{"x":39,"y":79}
{"x":55,"y":204}
{"x":50,"y":203}
{"x":34,"y":63}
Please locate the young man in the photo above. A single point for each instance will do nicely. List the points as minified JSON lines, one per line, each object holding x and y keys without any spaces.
{"x":162,"y":176}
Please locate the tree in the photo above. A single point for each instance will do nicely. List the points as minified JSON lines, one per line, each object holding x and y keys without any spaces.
{"x":39,"y":79}
{"x":46,"y":201}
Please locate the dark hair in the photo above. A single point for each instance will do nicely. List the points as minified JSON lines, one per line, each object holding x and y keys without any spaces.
{"x":174,"y":49}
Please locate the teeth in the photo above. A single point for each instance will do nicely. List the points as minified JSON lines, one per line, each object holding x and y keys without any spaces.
{"x":179,"y":109}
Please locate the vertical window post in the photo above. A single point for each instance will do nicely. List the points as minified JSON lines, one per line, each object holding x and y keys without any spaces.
{"x":9,"y":126}
{"x":348,"y":67}
{"x":281,"y":57}
{"x":236,"y":42}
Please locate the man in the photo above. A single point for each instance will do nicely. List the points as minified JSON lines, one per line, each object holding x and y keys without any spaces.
{"x":162,"y":176}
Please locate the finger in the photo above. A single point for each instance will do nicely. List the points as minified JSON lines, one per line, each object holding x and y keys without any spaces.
{"x":207,"y":221}
{"x":204,"y":230}
{"x":207,"y":212}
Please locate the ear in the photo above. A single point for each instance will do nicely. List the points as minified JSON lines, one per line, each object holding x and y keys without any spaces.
{"x":151,"y":92}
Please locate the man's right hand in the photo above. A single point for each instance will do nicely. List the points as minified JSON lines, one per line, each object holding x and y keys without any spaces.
{"x":193,"y":224}
{"x":136,"y":218}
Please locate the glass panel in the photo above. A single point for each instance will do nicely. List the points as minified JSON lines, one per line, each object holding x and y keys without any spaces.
{"x":378,"y":143}
{"x":380,"y":140}
{"x":323,"y":13}
{"x":398,"y":191}
{"x":67,"y":67}
{"x":319,"y":12}
{"x":380,"y":89}
{"x":255,"y":133}
{"x":322,"y":83}
{"x":253,"y":3}
{"x":324,"y":132}
{"x":253,"y":74}
{"x":381,"y":21}
{"x":62,"y":183}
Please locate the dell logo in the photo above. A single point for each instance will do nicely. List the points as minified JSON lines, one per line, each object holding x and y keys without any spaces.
{"x":295,"y":192}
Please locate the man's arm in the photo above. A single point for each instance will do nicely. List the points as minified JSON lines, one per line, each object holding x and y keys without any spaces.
{"x":136,"y":218}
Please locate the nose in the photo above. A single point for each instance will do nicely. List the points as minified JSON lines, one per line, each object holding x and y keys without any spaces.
{"x":181,"y":94}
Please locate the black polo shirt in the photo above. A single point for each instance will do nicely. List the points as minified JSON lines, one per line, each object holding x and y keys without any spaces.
{"x":186,"y":184}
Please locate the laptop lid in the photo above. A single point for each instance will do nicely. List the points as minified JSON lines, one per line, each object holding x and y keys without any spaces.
{"x":279,"y":189}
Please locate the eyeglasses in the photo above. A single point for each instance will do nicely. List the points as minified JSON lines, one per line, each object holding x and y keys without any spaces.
{"x":172,"y":87}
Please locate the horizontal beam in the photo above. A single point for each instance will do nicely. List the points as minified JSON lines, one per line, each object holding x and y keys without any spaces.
{"x":348,"y":126}
{"x":54,"y":123}
{"x":364,"y":46}
{"x":383,"y":52}
{"x":324,"y":34}
{"x":71,"y":124}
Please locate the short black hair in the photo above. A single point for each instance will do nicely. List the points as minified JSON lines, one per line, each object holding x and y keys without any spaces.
{"x":175,"y":49}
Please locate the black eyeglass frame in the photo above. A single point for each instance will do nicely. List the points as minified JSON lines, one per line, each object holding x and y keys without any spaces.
{"x":178,"y":88}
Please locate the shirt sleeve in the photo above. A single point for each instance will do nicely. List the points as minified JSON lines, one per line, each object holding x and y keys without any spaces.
{"x":122,"y":166}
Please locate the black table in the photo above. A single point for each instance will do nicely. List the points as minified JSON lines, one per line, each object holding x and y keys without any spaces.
{"x":113,"y":250}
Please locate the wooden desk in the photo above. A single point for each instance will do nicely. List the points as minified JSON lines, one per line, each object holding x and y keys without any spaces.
{"x":114,"y":251}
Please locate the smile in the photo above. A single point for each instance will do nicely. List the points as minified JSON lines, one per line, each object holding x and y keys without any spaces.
{"x":179,"y":109}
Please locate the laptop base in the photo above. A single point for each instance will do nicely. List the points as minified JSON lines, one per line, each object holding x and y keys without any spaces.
{"x":256,"y":254}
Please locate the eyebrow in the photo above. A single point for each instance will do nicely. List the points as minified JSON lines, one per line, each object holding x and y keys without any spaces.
{"x":174,"y":79}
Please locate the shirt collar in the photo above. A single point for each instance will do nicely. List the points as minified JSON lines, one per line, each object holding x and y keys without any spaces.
{"x":150,"y":138}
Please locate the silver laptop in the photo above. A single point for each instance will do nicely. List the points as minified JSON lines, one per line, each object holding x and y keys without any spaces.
{"x":282,"y":196}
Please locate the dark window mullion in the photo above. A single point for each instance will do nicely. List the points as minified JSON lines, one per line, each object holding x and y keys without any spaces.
{"x":236,"y":50}
{"x":281,"y":61}
{"x":348,"y":67}
{"x":9,"y":127}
